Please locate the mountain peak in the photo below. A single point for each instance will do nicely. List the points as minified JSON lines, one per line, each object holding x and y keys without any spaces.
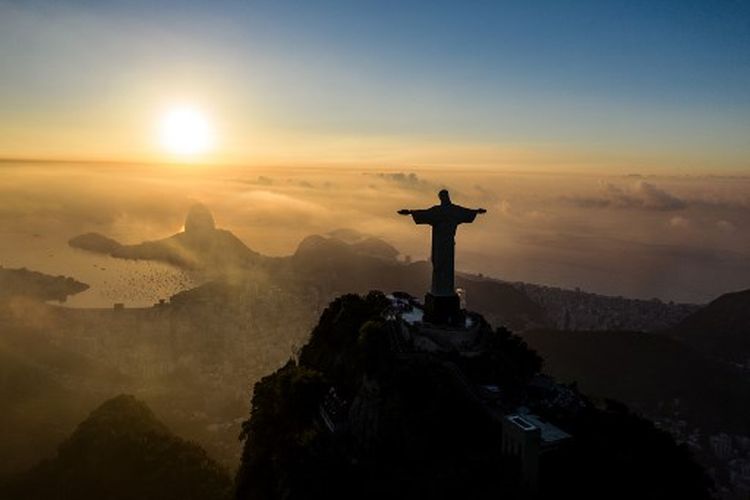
{"x":122,"y":451}
{"x":119,"y":415}
{"x":380,"y":403}
{"x":199,"y":220}
{"x":722,"y":328}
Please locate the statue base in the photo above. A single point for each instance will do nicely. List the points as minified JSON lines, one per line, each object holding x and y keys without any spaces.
{"x":443,"y":310}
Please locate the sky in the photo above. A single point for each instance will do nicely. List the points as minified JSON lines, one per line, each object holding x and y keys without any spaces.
{"x":657,"y":86}
{"x":609,"y":141}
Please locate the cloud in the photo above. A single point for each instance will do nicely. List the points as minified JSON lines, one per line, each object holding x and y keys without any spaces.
{"x":726,"y":226}
{"x":679,"y":222}
{"x":508,"y":210}
{"x":410,"y":181}
{"x":717,"y":201}
{"x":262,"y":180}
{"x":273,"y":209}
{"x":640,"y":195}
{"x":58,"y":202}
{"x":649,"y":196}
{"x":485,"y":195}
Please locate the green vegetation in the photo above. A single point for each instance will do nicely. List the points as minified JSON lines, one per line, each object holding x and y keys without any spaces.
{"x":411,"y":427}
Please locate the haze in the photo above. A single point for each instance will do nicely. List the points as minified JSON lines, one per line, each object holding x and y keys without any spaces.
{"x":200,"y":241}
{"x":673,"y":237}
{"x":611,"y":152}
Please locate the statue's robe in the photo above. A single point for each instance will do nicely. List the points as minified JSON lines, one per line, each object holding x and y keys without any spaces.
{"x":444,"y":220}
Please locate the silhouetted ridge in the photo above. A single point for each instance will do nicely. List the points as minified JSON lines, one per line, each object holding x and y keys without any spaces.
{"x":346,"y":234}
{"x":120,"y":416}
{"x":95,"y":242}
{"x":200,"y":246}
{"x":346,"y":260}
{"x":121,"y":451}
{"x":376,"y":248}
{"x":381,"y":405}
{"x":652,"y":373}
{"x":721,"y":329}
{"x":39,"y":286}
{"x":316,"y":246}
{"x":45,"y":391}
{"x":502,"y":303}
{"x":199,"y":220}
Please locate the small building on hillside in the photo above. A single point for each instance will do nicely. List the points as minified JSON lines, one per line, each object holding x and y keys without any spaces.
{"x":530,"y":438}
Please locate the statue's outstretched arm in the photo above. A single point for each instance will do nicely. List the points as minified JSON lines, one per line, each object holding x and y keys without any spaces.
{"x":480,"y":211}
{"x":404,"y":211}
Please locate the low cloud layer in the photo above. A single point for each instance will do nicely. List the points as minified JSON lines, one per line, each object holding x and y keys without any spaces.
{"x":617,"y":236}
{"x":640,"y":195}
{"x":410,"y":181}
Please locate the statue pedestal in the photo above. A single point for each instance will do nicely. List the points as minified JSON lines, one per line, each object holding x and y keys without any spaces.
{"x":443,"y":310}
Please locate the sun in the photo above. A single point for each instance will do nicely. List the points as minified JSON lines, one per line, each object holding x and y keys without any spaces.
{"x":186,"y":131}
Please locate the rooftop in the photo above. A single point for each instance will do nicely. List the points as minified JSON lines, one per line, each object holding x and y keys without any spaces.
{"x":528,"y":422}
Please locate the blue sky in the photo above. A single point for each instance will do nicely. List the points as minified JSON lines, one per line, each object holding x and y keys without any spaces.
{"x":659,"y":77}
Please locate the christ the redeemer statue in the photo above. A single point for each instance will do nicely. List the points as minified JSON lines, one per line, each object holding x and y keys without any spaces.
{"x":442,"y":304}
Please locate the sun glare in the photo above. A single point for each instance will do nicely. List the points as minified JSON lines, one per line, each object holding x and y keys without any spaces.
{"x":185,"y":131}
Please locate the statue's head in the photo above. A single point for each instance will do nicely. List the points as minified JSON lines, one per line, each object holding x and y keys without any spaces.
{"x":445,"y":198}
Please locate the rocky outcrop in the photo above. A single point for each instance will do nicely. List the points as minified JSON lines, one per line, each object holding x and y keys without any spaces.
{"x":366,"y":412}
{"x":201,"y":246}
{"x":199,"y":221}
